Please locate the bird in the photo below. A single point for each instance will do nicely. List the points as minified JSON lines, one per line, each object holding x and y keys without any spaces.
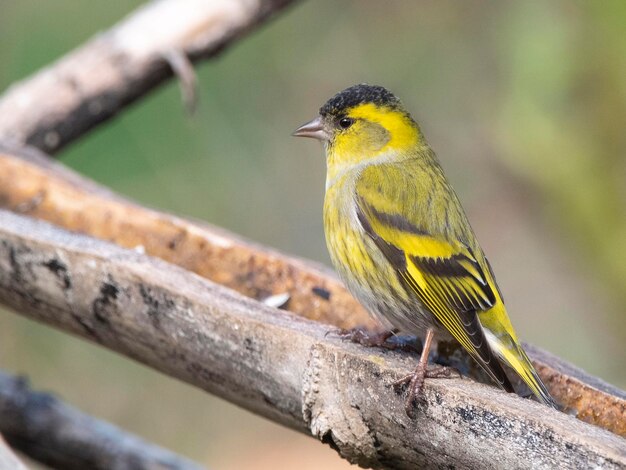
{"x":401,"y":242}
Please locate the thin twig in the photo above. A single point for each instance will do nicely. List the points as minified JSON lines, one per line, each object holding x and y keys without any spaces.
{"x":183,"y":68}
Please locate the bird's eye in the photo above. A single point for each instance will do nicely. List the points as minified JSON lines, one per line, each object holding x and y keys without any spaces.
{"x":345,"y":122}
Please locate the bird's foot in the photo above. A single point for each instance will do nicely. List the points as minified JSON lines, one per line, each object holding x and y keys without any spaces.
{"x":367,"y":338}
{"x":416,"y":379}
{"x":381,"y":339}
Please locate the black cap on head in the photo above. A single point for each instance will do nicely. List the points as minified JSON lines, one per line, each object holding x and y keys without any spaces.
{"x":359,"y":94}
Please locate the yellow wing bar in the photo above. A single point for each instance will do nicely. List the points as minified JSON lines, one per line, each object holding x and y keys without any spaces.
{"x":444,"y":277}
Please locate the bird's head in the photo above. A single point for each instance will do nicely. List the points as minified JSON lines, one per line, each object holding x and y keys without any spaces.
{"x":361,"y":122}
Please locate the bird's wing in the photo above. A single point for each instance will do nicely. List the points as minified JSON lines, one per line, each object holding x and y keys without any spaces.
{"x":443,"y":273}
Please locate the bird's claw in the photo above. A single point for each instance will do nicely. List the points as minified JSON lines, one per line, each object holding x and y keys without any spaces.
{"x":368,"y":338}
{"x":415,"y":383}
{"x":383,"y":339}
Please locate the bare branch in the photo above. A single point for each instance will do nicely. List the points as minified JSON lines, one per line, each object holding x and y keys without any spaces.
{"x":268,"y":361}
{"x":8,"y":460}
{"x":94,"y":82}
{"x":31,"y":184}
{"x":278,"y":365}
{"x":183,"y":68}
{"x":53,"y":433}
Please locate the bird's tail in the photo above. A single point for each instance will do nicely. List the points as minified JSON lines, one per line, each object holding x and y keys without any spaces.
{"x":513,"y":354}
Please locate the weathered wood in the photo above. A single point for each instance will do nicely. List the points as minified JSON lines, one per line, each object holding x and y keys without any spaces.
{"x":590,"y":398}
{"x":94,"y":82}
{"x":8,"y":460}
{"x":279,"y":365}
{"x":53,"y":433}
{"x":33,"y":185}
{"x":267,"y":361}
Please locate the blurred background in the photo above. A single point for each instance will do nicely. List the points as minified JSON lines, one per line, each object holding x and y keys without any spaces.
{"x":524,"y":102}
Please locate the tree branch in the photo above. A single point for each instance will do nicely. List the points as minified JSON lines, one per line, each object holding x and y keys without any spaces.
{"x":278,"y":365}
{"x":32,"y":184}
{"x":270,"y":362}
{"x":94,"y":82}
{"x":51,"y":432}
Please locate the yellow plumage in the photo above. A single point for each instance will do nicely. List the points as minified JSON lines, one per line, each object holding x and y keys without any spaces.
{"x":399,"y":238}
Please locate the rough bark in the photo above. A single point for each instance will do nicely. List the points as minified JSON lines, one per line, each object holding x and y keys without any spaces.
{"x":279,"y":365}
{"x":55,"y":434}
{"x":270,"y":362}
{"x":33,"y":185}
{"x":94,"y":82}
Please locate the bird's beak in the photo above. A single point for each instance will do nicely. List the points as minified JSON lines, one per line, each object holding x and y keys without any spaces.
{"x":314,"y":129}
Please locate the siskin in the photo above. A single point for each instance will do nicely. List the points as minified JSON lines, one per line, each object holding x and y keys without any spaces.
{"x":401,"y":242}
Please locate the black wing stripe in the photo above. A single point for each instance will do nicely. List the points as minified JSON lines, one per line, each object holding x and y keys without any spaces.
{"x":479,"y":296}
{"x":475,"y":334}
{"x":396,"y":221}
{"x":485,"y":358}
{"x":442,"y":272}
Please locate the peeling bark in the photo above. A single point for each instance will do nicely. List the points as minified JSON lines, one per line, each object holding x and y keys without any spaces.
{"x":273,"y":363}
{"x":32,"y":184}
{"x":279,"y":365}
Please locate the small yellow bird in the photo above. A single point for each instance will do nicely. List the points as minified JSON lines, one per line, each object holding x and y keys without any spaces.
{"x":401,"y":242}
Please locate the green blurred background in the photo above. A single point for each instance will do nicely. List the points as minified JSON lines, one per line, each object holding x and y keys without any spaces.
{"x":525,"y":103}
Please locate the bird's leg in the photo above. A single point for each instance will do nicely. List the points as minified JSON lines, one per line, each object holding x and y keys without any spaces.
{"x":416,"y":379}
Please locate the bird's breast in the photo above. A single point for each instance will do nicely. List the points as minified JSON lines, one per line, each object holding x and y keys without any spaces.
{"x":360,"y":264}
